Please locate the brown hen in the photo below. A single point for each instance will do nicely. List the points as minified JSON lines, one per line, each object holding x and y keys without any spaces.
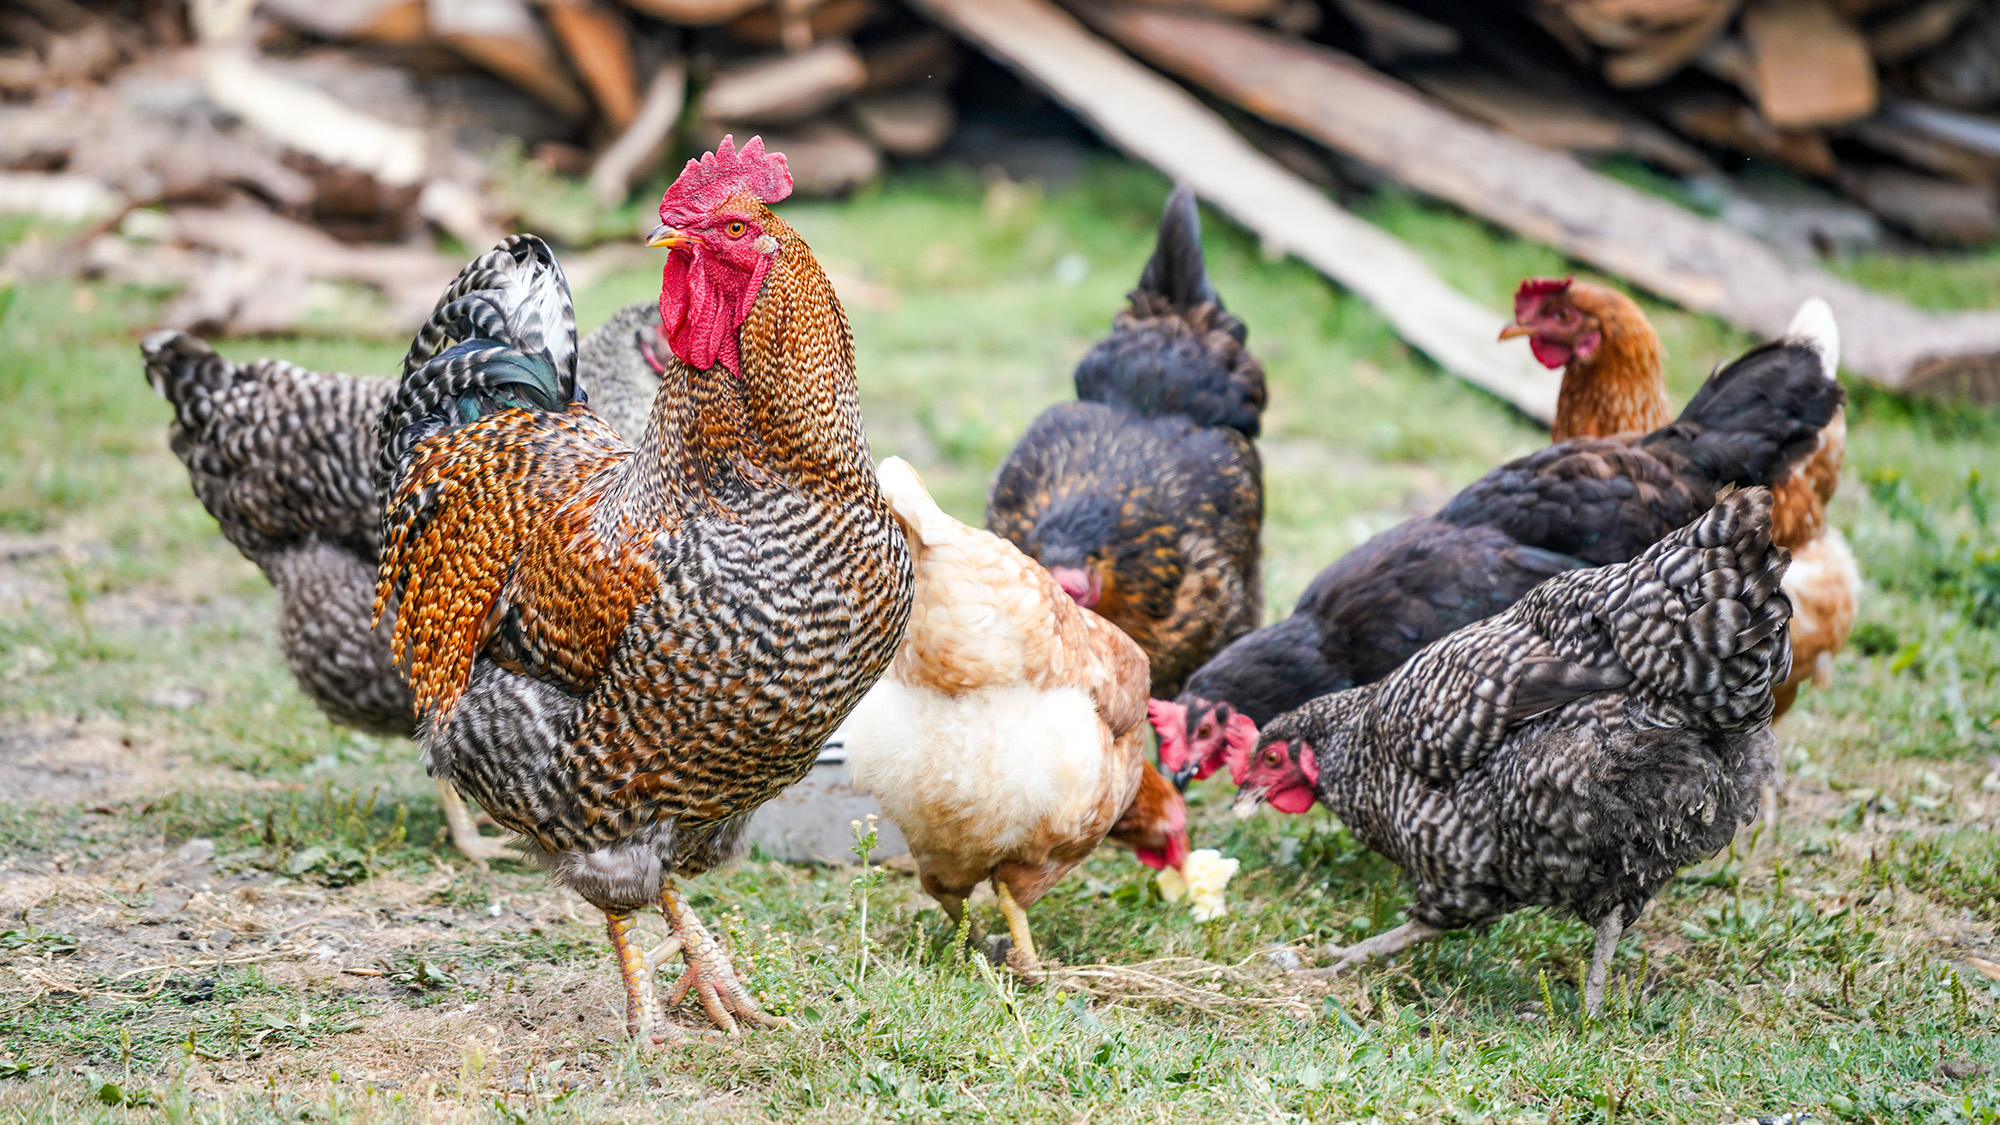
{"x":622,"y":650}
{"x":1613,"y":383}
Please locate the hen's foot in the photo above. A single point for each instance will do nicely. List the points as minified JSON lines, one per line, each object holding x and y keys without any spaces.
{"x":710,"y":974}
{"x":465,"y":830}
{"x":1385,"y":944}
{"x":642,"y":1007}
{"x":1022,"y":958}
{"x":1608,"y":932}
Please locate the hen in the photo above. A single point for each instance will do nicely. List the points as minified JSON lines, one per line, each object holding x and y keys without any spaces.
{"x":1613,"y":383}
{"x":1008,"y":738}
{"x":283,"y":458}
{"x":1588,"y":501}
{"x":1573,"y":752}
{"x":1145,"y":499}
{"x":622,"y":650}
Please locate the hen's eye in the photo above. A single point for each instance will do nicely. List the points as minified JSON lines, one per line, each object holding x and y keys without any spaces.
{"x":1274,"y":758}
{"x":1206,"y":730}
{"x":735,"y":229}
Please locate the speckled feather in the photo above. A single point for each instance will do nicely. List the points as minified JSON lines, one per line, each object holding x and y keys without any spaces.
{"x":283,"y":456}
{"x":1577,"y":750}
{"x":1152,"y":479}
{"x":657,"y":639}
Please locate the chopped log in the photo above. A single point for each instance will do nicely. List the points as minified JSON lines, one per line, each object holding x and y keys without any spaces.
{"x":1909,"y":34}
{"x":1552,"y":199}
{"x":1812,"y":68}
{"x":826,"y":158}
{"x":63,"y":198}
{"x":1572,"y":123}
{"x":1966,"y":71}
{"x":1660,"y":58}
{"x":1393,"y":34}
{"x":834,"y":19}
{"x":1926,"y":151}
{"x":642,"y":144}
{"x":368,"y":21}
{"x":1979,"y":134}
{"x":409,"y":276}
{"x":310,"y":121}
{"x":697,"y":13}
{"x":1948,"y":211}
{"x":786,"y":88}
{"x":21,"y":72}
{"x":1235,"y":9}
{"x":502,"y":37}
{"x":600,"y":48}
{"x":909,"y":124}
{"x":1160,"y":123}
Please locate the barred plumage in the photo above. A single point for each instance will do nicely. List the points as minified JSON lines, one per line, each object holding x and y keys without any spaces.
{"x":1572,"y":752}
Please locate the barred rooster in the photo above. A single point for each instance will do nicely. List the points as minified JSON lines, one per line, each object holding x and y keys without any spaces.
{"x":282,"y":456}
{"x":1587,"y":501}
{"x":1573,"y":752}
{"x":1613,"y":382}
{"x":1145,"y":498}
{"x":622,"y":650}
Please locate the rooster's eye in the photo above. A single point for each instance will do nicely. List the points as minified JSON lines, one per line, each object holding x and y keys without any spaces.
{"x":735,"y":229}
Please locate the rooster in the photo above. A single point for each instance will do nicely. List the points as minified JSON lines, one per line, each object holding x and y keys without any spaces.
{"x":622,"y":650}
{"x":1588,"y":501}
{"x":1573,"y":752}
{"x":282,"y":456}
{"x":1145,"y":498}
{"x":1613,"y":383}
{"x":1008,"y":738}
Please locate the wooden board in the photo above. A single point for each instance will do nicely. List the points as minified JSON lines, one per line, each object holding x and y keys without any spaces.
{"x":1158,"y":122}
{"x":1549,"y":197}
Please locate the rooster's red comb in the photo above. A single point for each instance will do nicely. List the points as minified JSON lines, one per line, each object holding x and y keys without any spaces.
{"x":705,"y":183}
{"x":1535,"y":290}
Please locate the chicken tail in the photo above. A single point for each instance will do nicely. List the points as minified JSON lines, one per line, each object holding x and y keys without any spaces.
{"x":275,"y":452}
{"x":502,"y":336}
{"x":1760,"y":415}
{"x":1699,"y":619}
{"x":1175,"y":349}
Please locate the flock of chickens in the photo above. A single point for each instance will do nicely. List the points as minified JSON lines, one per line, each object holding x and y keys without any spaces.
{"x":622,"y":592}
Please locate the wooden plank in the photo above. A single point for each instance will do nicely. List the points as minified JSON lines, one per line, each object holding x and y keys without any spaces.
{"x":600,"y":49}
{"x":1158,"y":122}
{"x":1549,"y":197}
{"x":1811,"y":67}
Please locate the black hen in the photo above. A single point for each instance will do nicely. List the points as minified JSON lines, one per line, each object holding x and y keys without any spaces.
{"x":1573,"y":752}
{"x":284,"y":457}
{"x":1583,"y":502}
{"x":1145,"y":499}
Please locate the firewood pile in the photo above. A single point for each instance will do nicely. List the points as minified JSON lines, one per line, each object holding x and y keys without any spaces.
{"x":290,"y":164}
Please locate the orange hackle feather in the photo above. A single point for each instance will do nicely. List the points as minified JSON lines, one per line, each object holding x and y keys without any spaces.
{"x":1619,"y":387}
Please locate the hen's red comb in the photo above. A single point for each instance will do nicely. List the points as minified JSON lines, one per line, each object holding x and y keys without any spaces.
{"x":705,"y":183}
{"x":1535,"y":290}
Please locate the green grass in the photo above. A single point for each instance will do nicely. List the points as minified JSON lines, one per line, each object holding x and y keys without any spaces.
{"x":1824,"y":972}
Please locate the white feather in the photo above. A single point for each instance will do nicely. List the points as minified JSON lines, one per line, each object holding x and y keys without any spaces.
{"x":1813,"y":326}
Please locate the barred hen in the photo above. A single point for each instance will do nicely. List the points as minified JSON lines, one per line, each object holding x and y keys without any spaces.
{"x":1145,"y":498}
{"x":283,"y":457}
{"x":1008,"y":738}
{"x":1572,"y":753}
{"x":622,"y":650}
{"x":1588,"y":501}
{"x":1613,"y":383}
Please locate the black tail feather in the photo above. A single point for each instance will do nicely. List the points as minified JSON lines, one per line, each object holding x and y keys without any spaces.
{"x":1757,"y":416}
{"x":1177,"y":270}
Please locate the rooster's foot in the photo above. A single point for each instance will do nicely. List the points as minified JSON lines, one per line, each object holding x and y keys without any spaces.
{"x":465,"y":830}
{"x":710,"y":974}
{"x":1385,"y":944}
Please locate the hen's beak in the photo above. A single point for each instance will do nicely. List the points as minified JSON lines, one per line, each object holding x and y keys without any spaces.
{"x":1247,"y":802}
{"x":1507,"y":333}
{"x":664,"y":235}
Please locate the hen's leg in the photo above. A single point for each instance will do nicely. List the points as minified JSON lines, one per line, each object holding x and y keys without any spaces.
{"x":1023,"y":958}
{"x":710,"y":975}
{"x":1385,"y":944}
{"x":1608,"y":932}
{"x":642,"y":1007}
{"x":465,"y":833}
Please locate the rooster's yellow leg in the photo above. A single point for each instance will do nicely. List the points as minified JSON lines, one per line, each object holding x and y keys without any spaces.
{"x":465,"y":831}
{"x":1024,"y":959}
{"x":710,"y":974}
{"x":642,"y":1008}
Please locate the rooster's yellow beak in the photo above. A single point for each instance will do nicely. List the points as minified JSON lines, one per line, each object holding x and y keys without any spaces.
{"x":664,"y":235}
{"x":1507,"y":333}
